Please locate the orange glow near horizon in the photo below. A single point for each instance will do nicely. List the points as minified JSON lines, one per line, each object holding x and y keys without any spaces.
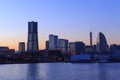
{"x":14,"y":45}
{"x":13,"y":42}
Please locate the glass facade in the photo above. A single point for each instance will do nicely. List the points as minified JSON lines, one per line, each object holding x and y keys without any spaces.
{"x":101,"y":43}
{"x":32,"y":44}
{"x":53,"y":42}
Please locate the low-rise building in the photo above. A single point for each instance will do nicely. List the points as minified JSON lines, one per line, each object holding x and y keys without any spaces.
{"x":81,"y":58}
{"x":6,"y":51}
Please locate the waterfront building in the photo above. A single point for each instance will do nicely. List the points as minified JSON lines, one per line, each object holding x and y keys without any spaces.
{"x":88,"y":49}
{"x":114,"y":48}
{"x":32,"y":44}
{"x":6,"y":51}
{"x":47,"y":45}
{"x":79,"y":47}
{"x":101,"y":43}
{"x":21,"y":46}
{"x":72,"y":47}
{"x":63,"y":45}
{"x":102,"y":57}
{"x":81,"y":58}
{"x":94,"y":48}
{"x":53,"y":42}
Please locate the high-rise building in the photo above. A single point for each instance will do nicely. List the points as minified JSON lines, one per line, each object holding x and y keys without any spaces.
{"x":76,"y":47}
{"x":72,"y":47}
{"x":101,"y":46}
{"x":63,"y":45}
{"x":79,"y":47}
{"x":47,"y":45}
{"x":21,"y":46}
{"x":53,"y":42}
{"x":32,"y":44}
{"x":91,"y":39}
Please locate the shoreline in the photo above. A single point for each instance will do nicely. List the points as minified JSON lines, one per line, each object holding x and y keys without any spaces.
{"x":53,"y":62}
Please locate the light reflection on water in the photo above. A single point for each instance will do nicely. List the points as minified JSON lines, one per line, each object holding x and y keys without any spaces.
{"x":60,"y":71}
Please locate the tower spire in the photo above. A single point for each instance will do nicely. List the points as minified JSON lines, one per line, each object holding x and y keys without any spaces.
{"x":90,"y":39}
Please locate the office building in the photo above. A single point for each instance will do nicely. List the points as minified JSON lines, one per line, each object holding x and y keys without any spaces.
{"x":101,"y":43}
{"x":63,"y":45}
{"x":88,"y":49}
{"x":72,"y":48}
{"x":5,"y":51}
{"x":47,"y":45}
{"x":114,"y":48}
{"x":94,"y":48}
{"x":32,"y":44}
{"x":21,"y":46}
{"x":80,"y":47}
{"x":77,"y":47}
{"x":53,"y":42}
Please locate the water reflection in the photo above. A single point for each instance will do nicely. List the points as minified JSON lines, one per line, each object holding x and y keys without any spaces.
{"x":60,"y":71}
{"x":108,"y":71}
{"x":101,"y":71}
{"x":32,"y":72}
{"x":43,"y":71}
{"x":37,"y":72}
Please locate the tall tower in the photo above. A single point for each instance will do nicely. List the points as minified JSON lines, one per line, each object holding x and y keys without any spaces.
{"x":32,"y":44}
{"x":91,"y":39}
{"x":101,"y":43}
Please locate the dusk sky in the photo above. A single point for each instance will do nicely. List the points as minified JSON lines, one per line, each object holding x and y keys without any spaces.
{"x":69,"y":19}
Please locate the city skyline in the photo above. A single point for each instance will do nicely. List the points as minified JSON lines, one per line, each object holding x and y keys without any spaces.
{"x":65,"y":18}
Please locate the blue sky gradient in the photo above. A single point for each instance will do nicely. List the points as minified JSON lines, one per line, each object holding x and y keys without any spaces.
{"x":70,"y":19}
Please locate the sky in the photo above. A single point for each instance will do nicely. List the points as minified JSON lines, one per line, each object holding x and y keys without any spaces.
{"x":69,"y":19}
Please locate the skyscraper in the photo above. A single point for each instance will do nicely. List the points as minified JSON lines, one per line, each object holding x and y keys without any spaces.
{"x":53,"y":42}
{"x":32,"y":44}
{"x":63,"y":45}
{"x":101,"y":43}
